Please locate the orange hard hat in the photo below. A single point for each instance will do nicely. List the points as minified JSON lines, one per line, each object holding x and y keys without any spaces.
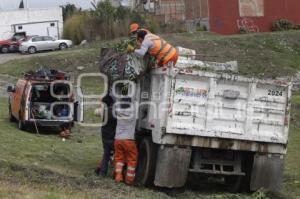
{"x":134,"y":27}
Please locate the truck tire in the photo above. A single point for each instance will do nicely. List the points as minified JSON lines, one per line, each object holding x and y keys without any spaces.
{"x":147,"y":162}
{"x":5,"y":49}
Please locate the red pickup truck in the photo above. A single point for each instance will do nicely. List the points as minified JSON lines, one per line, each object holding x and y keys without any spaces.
{"x":12,"y":43}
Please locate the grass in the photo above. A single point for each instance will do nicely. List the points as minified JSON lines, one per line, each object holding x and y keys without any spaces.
{"x":261,"y":55}
{"x":45,"y":166}
{"x":67,"y":60}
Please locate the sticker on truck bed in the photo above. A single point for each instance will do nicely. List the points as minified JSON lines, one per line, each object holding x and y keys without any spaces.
{"x":191,"y":92}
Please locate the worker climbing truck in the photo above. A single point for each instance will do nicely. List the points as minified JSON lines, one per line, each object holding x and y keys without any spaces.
{"x":195,"y":118}
{"x":194,"y":121}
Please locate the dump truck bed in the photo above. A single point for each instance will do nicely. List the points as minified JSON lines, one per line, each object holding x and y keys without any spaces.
{"x":226,"y":106}
{"x":214,"y":105}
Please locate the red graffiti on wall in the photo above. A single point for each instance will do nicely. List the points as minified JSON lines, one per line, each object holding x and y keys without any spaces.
{"x":247,"y":25}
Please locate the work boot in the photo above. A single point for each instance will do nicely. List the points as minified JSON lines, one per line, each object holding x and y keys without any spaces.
{"x":130,"y":175}
{"x":119,"y":172}
{"x":97,"y":171}
{"x":119,"y":178}
{"x":65,"y":133}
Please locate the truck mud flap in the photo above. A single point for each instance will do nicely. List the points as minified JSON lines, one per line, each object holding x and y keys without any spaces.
{"x":267,"y":172}
{"x":172,"y":166}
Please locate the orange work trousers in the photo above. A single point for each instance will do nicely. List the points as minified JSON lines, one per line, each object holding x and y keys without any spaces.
{"x":126,"y":153}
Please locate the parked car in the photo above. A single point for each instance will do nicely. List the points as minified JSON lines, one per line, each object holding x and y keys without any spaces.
{"x":44,"y":98}
{"x":12,"y":43}
{"x":42,"y":43}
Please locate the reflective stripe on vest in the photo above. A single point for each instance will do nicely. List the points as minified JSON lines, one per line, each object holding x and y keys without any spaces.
{"x":161,"y":50}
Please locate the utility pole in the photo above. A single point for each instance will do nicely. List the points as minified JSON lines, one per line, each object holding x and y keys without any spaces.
{"x":26,"y":4}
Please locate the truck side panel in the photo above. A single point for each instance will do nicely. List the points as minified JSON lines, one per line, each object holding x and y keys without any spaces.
{"x":229,"y":108}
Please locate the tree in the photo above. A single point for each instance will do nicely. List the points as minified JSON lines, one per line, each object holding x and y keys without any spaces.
{"x":104,"y":14}
{"x":21,"y":5}
{"x":69,"y":10}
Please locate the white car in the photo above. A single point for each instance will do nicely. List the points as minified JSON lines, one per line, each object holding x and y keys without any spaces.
{"x":41,"y":43}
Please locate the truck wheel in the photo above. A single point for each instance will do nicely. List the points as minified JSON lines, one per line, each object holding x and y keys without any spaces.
{"x":147,"y":162}
{"x":5,"y":49}
{"x":31,"y":50}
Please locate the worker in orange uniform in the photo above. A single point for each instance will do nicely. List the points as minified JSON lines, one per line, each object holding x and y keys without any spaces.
{"x":126,"y":152}
{"x":163,"y":52}
{"x":134,"y":28}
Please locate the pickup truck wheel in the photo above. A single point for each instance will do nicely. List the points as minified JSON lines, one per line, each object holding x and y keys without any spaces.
{"x":32,"y":50}
{"x":5,"y":49}
{"x":147,"y":162}
{"x":63,"y":46}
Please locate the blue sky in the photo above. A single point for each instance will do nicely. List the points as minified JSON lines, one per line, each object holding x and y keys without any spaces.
{"x":13,"y":4}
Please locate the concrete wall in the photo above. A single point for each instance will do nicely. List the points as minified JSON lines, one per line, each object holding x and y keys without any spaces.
{"x":171,"y":10}
{"x":29,"y":16}
{"x":196,"y":9}
{"x":225,"y":17}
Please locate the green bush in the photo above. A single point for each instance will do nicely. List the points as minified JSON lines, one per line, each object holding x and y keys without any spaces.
{"x":74,"y":28}
{"x":105,"y":22}
{"x":282,"y":25}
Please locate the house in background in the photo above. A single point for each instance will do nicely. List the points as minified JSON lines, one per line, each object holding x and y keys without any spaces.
{"x":225,"y":16}
{"x":43,"y":21}
{"x":252,"y":15}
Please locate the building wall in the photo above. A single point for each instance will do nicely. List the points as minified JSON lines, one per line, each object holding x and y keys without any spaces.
{"x":195,"y":9}
{"x":255,"y":15}
{"x":10,"y":18}
{"x":171,"y":10}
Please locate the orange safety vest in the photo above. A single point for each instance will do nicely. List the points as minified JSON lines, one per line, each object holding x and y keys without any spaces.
{"x":162,"y":50}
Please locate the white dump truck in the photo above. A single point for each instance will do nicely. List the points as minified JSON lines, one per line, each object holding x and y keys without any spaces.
{"x":213,"y":123}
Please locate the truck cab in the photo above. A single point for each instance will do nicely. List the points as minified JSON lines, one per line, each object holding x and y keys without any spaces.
{"x":44,"y":99}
